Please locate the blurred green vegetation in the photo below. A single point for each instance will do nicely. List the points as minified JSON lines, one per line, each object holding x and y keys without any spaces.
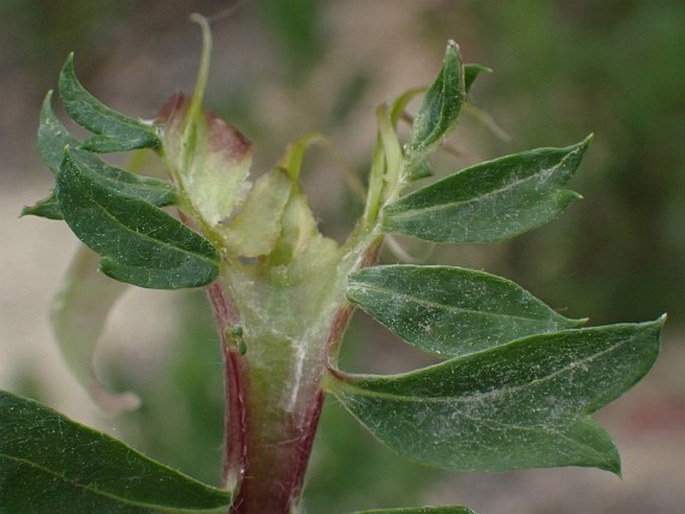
{"x":562,"y":69}
{"x":614,"y":68}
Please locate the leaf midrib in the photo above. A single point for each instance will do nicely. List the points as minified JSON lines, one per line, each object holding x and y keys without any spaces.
{"x":408,"y":213}
{"x":429,"y":303}
{"x":479,"y":397}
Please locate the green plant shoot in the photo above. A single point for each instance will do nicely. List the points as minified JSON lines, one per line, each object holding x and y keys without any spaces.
{"x":516,"y":384}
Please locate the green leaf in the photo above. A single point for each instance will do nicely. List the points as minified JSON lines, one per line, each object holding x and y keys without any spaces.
{"x":151,"y":190}
{"x":454,"y":509}
{"x":46,"y":208}
{"x":438,"y":113}
{"x":491,"y":201}
{"x":114,"y":131}
{"x":79,"y":313}
{"x":471,"y":72}
{"x":451,"y":311}
{"x":138,"y":242}
{"x":522,"y":405}
{"x":49,"y":463}
{"x":53,"y":137}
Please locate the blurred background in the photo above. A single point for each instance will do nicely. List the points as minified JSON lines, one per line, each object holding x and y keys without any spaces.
{"x":280,"y":69}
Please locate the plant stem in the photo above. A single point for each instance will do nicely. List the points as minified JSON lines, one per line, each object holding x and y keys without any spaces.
{"x":269,"y":434}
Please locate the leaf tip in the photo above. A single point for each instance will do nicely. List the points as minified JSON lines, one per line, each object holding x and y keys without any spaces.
{"x":68,"y":66}
{"x":657,"y":325}
{"x":567,"y":196}
{"x":453,"y":46}
{"x":48,"y":98}
{"x":583,"y":145}
{"x":613,"y":465}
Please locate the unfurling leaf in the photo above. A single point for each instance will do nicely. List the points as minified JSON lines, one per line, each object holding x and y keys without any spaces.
{"x":138,"y":242}
{"x":254,"y":230}
{"x":114,"y":131}
{"x":491,"y":201}
{"x":79,"y":313}
{"x":209,"y":159}
{"x":451,"y":311}
{"x":521,"y":405}
{"x":49,"y":463}
{"x":438,"y":113}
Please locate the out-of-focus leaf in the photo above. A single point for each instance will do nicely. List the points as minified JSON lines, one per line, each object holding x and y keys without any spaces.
{"x":49,"y":463}
{"x":451,"y":311}
{"x":491,"y":201}
{"x":114,"y":131}
{"x":46,"y":208}
{"x":521,"y":405}
{"x":79,"y":313}
{"x":453,"y":509}
{"x":138,"y":242}
{"x":438,"y":113}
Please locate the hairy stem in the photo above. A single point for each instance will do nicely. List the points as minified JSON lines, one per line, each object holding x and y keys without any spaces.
{"x":271,"y":415}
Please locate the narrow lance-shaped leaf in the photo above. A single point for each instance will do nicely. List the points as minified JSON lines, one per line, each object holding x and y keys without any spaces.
{"x":491,"y":201}
{"x":114,"y":131}
{"x":53,"y":138}
{"x":138,"y":242}
{"x":79,"y":313}
{"x":438,"y":113}
{"x":49,"y":463}
{"x":522,"y":405}
{"x":451,"y":509}
{"x":379,"y":166}
{"x":451,"y":311}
